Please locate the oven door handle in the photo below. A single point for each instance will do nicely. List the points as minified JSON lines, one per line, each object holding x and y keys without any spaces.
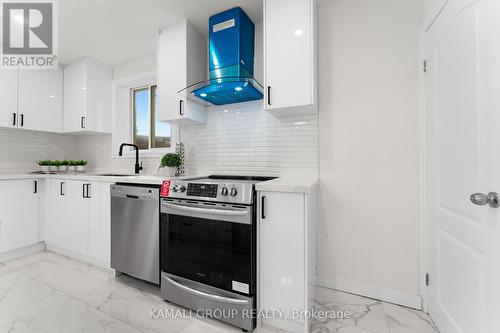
{"x":223,"y":212}
{"x":207,"y":295}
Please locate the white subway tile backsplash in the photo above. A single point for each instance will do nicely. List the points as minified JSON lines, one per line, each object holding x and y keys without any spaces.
{"x":242,"y":140}
{"x":21,"y":149}
{"x":249,"y":140}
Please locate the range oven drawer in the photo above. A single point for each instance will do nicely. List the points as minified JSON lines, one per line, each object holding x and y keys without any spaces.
{"x":229,"y":307}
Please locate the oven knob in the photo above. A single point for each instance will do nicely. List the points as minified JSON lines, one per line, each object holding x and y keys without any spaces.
{"x":224,"y":191}
{"x":181,"y":188}
{"x":233,"y":192}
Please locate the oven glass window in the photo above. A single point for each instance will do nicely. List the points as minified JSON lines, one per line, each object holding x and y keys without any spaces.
{"x":212,"y":252}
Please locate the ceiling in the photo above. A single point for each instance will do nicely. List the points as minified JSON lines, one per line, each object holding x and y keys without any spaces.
{"x":118,"y":31}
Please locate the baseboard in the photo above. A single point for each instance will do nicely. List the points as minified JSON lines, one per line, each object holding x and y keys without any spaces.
{"x":371,"y":291}
{"x":78,"y":257}
{"x":22,"y":252}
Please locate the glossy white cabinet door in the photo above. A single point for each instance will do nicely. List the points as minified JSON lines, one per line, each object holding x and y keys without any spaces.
{"x":41,"y":99}
{"x":282,"y":254}
{"x":75,"y":98}
{"x":18,"y":214}
{"x":66,"y":216}
{"x":289,"y":55}
{"x":182,"y":61}
{"x":100,"y":221}
{"x":87,"y":92}
{"x":8,"y":97}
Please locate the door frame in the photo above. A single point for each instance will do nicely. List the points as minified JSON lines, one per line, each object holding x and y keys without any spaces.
{"x":427,"y":22}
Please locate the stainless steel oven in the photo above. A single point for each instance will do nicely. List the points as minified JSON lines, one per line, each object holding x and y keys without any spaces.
{"x":208,"y":247}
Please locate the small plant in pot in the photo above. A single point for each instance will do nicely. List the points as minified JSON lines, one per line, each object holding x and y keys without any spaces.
{"x":54,"y":166}
{"x":80,"y":165}
{"x":44,"y":165}
{"x":169,"y":164}
{"x":71,"y":166}
{"x":64,"y":166}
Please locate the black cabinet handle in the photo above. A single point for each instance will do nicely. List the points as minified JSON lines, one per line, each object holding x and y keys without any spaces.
{"x":263,"y":207}
{"x":181,"y":110}
{"x":22,"y":119}
{"x":14,"y":119}
{"x":132,"y":196}
{"x":86,"y":191}
{"x":36,"y":186}
{"x":82,"y":122}
{"x":62,"y":186}
{"x":268,"y":95}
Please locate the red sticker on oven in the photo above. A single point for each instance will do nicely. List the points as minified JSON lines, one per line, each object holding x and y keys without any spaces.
{"x":165,"y":188}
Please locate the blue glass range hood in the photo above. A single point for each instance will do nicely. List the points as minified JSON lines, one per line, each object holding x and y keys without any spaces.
{"x":231,"y":52}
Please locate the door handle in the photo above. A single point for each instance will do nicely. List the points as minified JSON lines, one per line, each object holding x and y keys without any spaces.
{"x":82,"y":122}
{"x":268,"y":95}
{"x":14,"y":120}
{"x":35,"y":183}
{"x":480,"y":199}
{"x":63,"y":184}
{"x":181,"y":110}
{"x":22,"y":120}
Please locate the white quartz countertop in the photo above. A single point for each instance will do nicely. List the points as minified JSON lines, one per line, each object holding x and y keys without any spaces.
{"x":140,"y":179}
{"x":295,"y":184}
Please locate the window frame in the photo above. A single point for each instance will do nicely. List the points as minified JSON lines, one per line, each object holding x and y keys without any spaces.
{"x":123,"y":116}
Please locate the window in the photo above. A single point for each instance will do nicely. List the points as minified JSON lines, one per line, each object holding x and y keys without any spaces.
{"x":148,"y":132}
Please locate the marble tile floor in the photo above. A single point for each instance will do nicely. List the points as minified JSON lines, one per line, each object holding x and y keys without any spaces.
{"x":46,"y":293}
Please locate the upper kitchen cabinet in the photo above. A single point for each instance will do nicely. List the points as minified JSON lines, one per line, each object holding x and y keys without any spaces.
{"x":8,"y":97}
{"x":182,"y":61}
{"x":290,"y":56}
{"x":40,"y":100}
{"x":87,"y":97}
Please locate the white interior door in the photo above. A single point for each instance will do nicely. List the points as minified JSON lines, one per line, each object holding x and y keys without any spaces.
{"x":462,"y":156}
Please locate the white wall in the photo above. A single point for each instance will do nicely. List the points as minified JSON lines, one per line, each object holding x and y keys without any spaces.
{"x":369,"y":146}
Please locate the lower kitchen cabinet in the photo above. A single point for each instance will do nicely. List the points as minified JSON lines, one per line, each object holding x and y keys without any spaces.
{"x":286,"y":271}
{"x":18,"y":214}
{"x":100,"y":222}
{"x":66,"y":215}
{"x":77,"y":218}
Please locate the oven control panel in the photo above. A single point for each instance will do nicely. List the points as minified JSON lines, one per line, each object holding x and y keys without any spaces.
{"x":217,"y":192}
{"x":202,"y":190}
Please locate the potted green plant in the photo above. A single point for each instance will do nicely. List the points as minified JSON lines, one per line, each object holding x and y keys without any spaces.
{"x":44,"y":165}
{"x":169,"y":164}
{"x":71,"y":166}
{"x":80,"y":165}
{"x":54,"y":166}
{"x":64,"y":166}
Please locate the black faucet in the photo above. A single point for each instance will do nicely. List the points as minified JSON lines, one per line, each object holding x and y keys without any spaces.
{"x":138,"y":167}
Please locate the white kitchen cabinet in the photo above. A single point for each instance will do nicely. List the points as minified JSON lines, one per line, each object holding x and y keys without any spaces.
{"x":77,"y":219}
{"x":66,"y":215}
{"x":18,"y":214}
{"x":87,"y":97}
{"x":290,"y":56}
{"x":287,"y":264}
{"x":41,"y":100}
{"x":8,"y":97}
{"x":100,"y":222}
{"x":182,"y":61}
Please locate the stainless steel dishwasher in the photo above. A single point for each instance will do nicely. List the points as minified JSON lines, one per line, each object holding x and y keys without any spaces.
{"x":135,"y":214}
